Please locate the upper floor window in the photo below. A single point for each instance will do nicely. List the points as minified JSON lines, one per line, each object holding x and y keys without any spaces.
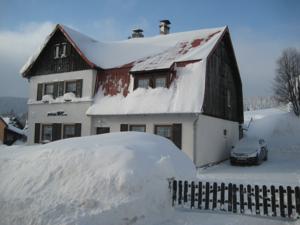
{"x":57,"y":89}
{"x":60,"y":50}
{"x":143,"y":83}
{"x":152,"y":81}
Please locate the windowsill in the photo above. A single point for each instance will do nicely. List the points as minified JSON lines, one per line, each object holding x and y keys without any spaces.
{"x":60,"y":100}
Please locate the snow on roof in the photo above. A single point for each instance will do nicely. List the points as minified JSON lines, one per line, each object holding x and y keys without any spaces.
{"x":146,"y":53}
{"x":175,"y":99}
{"x":10,"y":126}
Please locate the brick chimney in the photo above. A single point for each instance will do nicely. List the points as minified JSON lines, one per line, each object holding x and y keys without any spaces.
{"x":164,"y":27}
{"x":137,"y":33}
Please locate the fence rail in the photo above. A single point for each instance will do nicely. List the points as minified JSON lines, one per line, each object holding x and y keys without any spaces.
{"x":276,"y":201}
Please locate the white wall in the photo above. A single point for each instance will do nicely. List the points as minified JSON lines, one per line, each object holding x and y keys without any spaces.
{"x":76,"y":111}
{"x":150,"y":121}
{"x":211,"y":143}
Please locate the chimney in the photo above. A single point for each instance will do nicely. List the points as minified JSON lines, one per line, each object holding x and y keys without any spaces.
{"x":137,"y":33}
{"x":164,"y":27}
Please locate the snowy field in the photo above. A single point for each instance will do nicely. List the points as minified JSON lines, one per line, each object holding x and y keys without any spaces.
{"x":117,"y":179}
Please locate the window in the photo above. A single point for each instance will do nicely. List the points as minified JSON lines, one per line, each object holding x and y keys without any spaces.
{"x":71,"y":87}
{"x":56,"y":51}
{"x":102,"y":130}
{"x":228,"y":98}
{"x":49,"y":89}
{"x":160,"y":82}
{"x":164,"y":130}
{"x":64,"y":50}
{"x":69,"y":131}
{"x":138,"y":128}
{"x":46,"y":133}
{"x":143,"y":83}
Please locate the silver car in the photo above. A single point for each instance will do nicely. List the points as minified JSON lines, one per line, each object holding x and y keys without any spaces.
{"x":249,"y":151}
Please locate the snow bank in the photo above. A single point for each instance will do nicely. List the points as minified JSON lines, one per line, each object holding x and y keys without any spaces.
{"x":158,"y":100}
{"x":118,"y":178}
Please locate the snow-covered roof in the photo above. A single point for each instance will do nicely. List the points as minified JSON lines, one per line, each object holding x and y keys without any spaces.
{"x":185,"y":95}
{"x":147,"y":53}
{"x":11,"y":127}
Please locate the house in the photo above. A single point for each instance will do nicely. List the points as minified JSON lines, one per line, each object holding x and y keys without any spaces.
{"x":184,"y":86}
{"x":11,"y":130}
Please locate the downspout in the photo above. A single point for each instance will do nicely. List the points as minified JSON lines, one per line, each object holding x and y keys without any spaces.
{"x":194,"y":137}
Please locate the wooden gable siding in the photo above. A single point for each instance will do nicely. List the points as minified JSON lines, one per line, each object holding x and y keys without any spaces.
{"x":2,"y":130}
{"x":113,"y":81}
{"x":47,"y":64}
{"x":222,"y":75}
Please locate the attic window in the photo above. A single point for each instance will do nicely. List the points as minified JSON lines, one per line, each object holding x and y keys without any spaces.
{"x":161,"y":82}
{"x":64,"y":50}
{"x":154,"y":80}
{"x":56,"y":51}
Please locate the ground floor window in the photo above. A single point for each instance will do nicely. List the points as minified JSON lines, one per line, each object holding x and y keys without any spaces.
{"x":164,"y":130}
{"x":69,"y":131}
{"x":102,"y":130}
{"x":138,"y":128}
{"x":46,"y":133}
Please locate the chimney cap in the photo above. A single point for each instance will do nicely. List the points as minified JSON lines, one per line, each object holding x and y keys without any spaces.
{"x":137,"y":30}
{"x":166,"y":22}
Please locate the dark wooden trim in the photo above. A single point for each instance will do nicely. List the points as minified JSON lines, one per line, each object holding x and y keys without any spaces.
{"x":56,"y":131}
{"x":39,"y":95}
{"x":123,"y":127}
{"x":77,"y":129}
{"x":177,"y":134}
{"x":37,"y":131}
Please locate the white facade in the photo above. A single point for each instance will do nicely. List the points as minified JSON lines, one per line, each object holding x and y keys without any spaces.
{"x":75,"y":110}
{"x":203,"y":137}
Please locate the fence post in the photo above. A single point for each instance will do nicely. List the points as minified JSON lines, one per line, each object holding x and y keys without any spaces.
{"x":179,"y":192}
{"x":174,"y":192}
{"x":234,"y":190}
{"x":199,"y":195}
{"x":241,"y":198}
{"x":281,"y":201}
{"x":297,"y":196}
{"x":185,"y":191}
{"x":207,"y":195}
{"x":273,"y":200}
{"x":249,"y":197}
{"x":265,"y":200}
{"x":230,"y":197}
{"x":192,"y":194}
{"x":222,"y":196}
{"x":256,"y":192}
{"x":289,"y":201}
{"x":215,"y":190}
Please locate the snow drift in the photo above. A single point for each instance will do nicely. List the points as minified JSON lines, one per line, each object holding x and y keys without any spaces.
{"x":118,"y":178}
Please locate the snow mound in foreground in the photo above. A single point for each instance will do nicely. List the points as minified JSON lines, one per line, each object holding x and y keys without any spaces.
{"x":118,"y":178}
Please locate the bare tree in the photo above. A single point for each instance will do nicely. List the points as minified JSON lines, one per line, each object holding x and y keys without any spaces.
{"x":287,"y":80}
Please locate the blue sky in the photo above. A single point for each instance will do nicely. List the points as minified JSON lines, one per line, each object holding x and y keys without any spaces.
{"x":259,"y":29}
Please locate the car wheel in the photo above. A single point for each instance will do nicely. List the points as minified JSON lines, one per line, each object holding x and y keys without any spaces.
{"x":266,"y":156}
{"x":257,"y":160}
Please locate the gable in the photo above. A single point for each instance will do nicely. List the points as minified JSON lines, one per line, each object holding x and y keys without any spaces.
{"x":46,"y":63}
{"x":223,"y":87}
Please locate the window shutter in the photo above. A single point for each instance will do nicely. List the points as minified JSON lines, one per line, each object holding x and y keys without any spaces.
{"x":124,"y":127}
{"x":39,"y":92}
{"x":55,"y":90}
{"x":79,"y":88}
{"x":37,"y":129}
{"x":177,"y":134}
{"x":56,"y":131}
{"x":77,"y":129}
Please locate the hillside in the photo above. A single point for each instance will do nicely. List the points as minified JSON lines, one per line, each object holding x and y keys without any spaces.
{"x":16,"y":104}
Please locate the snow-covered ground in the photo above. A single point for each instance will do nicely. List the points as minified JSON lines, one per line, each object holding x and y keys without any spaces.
{"x":122,"y":178}
{"x":281,"y":130}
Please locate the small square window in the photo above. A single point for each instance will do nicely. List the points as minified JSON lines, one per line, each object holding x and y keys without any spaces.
{"x":71,"y":87}
{"x":143,"y":83}
{"x":49,"y":89}
{"x":69,"y":131}
{"x":160,"y":82}
{"x":138,"y":128}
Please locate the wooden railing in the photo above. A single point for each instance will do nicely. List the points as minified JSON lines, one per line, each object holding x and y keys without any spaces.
{"x":263,"y":200}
